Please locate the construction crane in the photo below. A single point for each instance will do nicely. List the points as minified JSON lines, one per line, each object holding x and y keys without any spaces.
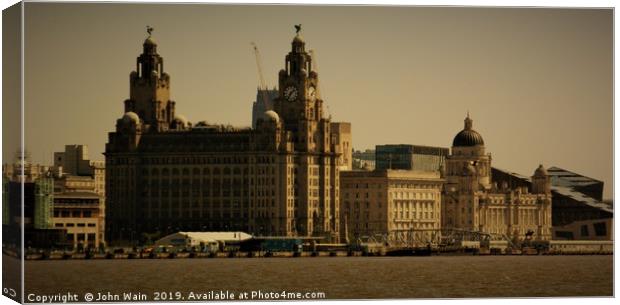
{"x":263,"y":86}
{"x":319,"y":93}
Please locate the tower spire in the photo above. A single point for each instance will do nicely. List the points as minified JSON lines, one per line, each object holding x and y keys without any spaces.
{"x":468,"y":122}
{"x":149,"y":88}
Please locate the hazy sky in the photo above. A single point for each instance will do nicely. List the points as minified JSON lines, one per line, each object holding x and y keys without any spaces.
{"x":537,"y":82}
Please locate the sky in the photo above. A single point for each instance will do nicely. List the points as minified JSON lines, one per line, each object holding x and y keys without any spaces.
{"x":538,"y":83}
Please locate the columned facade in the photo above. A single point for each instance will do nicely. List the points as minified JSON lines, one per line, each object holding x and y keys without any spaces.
{"x":471,"y":201}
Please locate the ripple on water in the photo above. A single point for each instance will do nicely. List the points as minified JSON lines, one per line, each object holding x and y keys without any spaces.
{"x":338,"y":277}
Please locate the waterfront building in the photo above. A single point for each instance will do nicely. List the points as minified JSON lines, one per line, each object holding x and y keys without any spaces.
{"x":81,"y":215}
{"x":74,"y":162}
{"x":79,"y":197}
{"x":340,"y":130}
{"x":580,"y":183}
{"x":572,"y":208}
{"x":393,"y":203}
{"x":164,"y":174}
{"x":37,"y":183}
{"x":38,"y":202}
{"x":342,"y":136}
{"x":472,"y":201}
{"x":594,"y":229}
{"x":202,"y":240}
{"x":409,"y":157}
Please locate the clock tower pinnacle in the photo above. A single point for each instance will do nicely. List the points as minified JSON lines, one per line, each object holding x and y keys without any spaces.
{"x":298,"y":103}
{"x":149,"y":89}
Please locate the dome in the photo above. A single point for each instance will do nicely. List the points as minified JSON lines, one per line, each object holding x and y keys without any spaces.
{"x":270,"y":115}
{"x":298,"y":39}
{"x":540,"y":171}
{"x":150,"y":41}
{"x":130,"y":116}
{"x":468,"y":136}
{"x":178,"y":118}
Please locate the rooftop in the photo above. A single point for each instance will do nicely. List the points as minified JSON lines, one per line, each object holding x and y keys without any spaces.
{"x":564,"y":177}
{"x":393,"y":173}
{"x":567,"y":190}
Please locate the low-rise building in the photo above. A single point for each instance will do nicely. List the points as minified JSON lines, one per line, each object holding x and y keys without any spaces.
{"x":201,"y":239}
{"x":81,"y":215}
{"x":393,"y":203}
{"x":79,"y":197}
{"x":594,"y":229}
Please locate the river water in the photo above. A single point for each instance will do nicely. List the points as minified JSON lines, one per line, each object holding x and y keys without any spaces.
{"x":336,"y":277}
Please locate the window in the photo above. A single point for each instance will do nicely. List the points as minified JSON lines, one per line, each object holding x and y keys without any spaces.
{"x":584,"y":230}
{"x":59,"y":225}
{"x":600,"y":229}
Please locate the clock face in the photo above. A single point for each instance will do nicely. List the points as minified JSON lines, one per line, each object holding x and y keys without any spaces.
{"x":290,"y":93}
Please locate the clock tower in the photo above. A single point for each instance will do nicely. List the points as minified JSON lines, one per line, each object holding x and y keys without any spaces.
{"x":298,"y":103}
{"x":313,"y":155}
{"x":149,"y":89}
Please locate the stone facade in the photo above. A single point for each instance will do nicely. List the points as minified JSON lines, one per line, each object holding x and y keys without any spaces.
{"x":389,"y":202}
{"x":344,"y":138}
{"x":472,"y":202}
{"x":81,"y":214}
{"x":164,"y":174}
